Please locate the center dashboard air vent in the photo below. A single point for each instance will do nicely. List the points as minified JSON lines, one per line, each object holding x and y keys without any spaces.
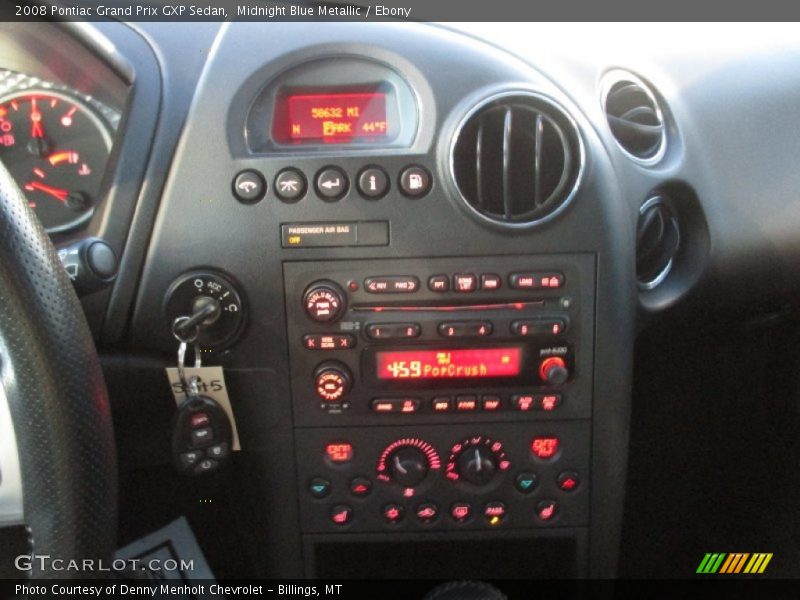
{"x":517,"y":159}
{"x":634,"y":117}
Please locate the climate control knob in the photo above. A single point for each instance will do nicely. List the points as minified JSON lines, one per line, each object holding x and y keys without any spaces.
{"x":332,"y":381}
{"x":553,"y":370}
{"x":477,"y":460}
{"x":324,"y":301}
{"x":407,"y":462}
{"x":408,"y":466}
{"x":477,"y":465}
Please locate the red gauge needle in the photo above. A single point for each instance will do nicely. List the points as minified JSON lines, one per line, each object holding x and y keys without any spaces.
{"x":57,"y":193}
{"x":36,"y":120}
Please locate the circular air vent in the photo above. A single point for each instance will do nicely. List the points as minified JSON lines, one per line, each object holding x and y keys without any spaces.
{"x":517,"y":159}
{"x":634,"y":117}
{"x":658,"y":239}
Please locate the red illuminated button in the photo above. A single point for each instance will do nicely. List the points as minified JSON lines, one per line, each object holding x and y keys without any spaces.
{"x":531,"y":281}
{"x":461,"y":512}
{"x":360,"y":487}
{"x":332,"y":381}
{"x":395,"y":284}
{"x":439,"y":283}
{"x":549,"y":402}
{"x":341,"y":514}
{"x":200,"y":419}
{"x":545,"y":447}
{"x":427,"y":513}
{"x":393,"y":513}
{"x":568,"y":481}
{"x":546,"y":510}
{"x":490,"y":281}
{"x":491,"y":403}
{"x":553,"y":370}
{"x":523,"y":402}
{"x":442,"y":404}
{"x":395,"y":405}
{"x":538,"y":327}
{"x":494,"y":512}
{"x":465,"y":329}
{"x":339,"y":452}
{"x":467,"y":403}
{"x":526,"y":402}
{"x":465,"y":282}
{"x":316,"y":341}
{"x":392,"y":331}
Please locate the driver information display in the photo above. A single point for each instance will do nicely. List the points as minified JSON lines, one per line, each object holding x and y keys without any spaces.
{"x":337,"y":116}
{"x":449,"y":364}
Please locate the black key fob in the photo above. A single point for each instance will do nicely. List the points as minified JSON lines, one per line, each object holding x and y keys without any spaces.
{"x":202,"y":438}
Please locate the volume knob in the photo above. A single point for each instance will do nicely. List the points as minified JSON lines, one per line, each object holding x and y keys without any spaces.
{"x":324,"y":301}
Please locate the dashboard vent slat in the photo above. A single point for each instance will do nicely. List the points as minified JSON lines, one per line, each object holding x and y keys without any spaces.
{"x":635,"y":118}
{"x":516,"y":159}
{"x":658,"y":239}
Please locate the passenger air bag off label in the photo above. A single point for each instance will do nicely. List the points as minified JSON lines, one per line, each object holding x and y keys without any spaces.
{"x":335,"y":234}
{"x":211,"y":383}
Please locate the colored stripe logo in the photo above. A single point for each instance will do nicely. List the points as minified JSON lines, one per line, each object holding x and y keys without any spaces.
{"x":734,"y":563}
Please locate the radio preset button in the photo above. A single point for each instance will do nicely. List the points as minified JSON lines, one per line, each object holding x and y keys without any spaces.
{"x":465,"y":329}
{"x":439,"y":283}
{"x":395,"y":405}
{"x":322,"y":341}
{"x":465,"y":282}
{"x":532,"y":281}
{"x":395,"y":284}
{"x":531,"y":327}
{"x":392,"y":331}
{"x":490,"y":281}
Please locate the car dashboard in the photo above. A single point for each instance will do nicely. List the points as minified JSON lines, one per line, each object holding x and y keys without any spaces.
{"x":432,"y":249}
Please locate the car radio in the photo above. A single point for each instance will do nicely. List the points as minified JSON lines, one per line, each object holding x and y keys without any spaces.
{"x":419,"y":339}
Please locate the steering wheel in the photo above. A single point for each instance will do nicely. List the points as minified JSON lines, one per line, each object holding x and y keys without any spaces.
{"x":57,"y":455}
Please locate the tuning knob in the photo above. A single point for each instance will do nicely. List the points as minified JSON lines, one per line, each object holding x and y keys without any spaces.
{"x":553,"y":370}
{"x":332,"y":381}
{"x":477,"y":465}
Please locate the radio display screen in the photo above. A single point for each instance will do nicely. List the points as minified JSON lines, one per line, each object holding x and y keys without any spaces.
{"x":336,"y":117}
{"x":471,"y":363}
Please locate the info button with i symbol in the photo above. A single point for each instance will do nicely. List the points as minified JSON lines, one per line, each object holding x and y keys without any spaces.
{"x":373,"y":183}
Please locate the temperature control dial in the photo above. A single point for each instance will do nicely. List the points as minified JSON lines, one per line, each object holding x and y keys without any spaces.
{"x":324,"y":301}
{"x":476,"y":460}
{"x":407,"y":462}
{"x":195,"y":290}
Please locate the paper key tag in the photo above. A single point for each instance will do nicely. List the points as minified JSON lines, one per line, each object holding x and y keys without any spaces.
{"x":211,"y":383}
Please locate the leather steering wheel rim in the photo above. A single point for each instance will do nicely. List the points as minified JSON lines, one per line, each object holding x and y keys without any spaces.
{"x":50,"y":372}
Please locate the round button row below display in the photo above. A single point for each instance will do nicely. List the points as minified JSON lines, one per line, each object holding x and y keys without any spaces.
{"x":331,"y":184}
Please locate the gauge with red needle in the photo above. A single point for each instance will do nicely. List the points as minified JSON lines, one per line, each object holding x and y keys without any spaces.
{"x":56,"y":147}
